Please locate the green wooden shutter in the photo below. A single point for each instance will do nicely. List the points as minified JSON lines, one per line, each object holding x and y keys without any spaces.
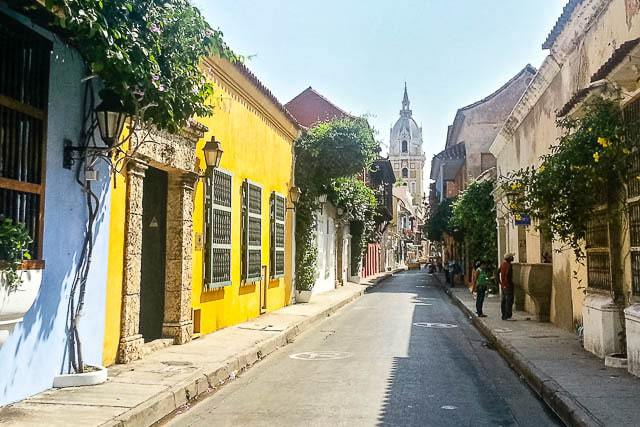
{"x":252,"y":232}
{"x":278,"y":211}
{"x":218,"y":230}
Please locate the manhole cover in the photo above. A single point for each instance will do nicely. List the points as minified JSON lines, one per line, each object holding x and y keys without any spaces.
{"x":321,"y":355}
{"x":435,"y":325}
{"x":176,"y":363}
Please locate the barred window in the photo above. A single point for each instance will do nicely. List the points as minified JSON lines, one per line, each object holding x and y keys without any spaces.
{"x":251,"y":231}
{"x":24,"y":95}
{"x":278,"y":210}
{"x":218,"y":230}
{"x":632,"y":120}
{"x":598,"y":254}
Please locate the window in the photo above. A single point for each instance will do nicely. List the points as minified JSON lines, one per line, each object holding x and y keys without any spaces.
{"x":278,"y":210}
{"x":632,"y":115}
{"x":218,"y":230}
{"x":405,"y":173}
{"x":24,"y":95}
{"x":598,"y":256}
{"x":251,"y":232}
{"x":405,"y":148}
{"x":413,"y":165}
{"x":413,"y":188}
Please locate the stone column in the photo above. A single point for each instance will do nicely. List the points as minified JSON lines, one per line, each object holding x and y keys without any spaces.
{"x":178,"y":323}
{"x":131,"y":341}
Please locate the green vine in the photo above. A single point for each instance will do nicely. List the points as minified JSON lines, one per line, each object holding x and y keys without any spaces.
{"x":589,"y":167}
{"x":147,"y":52}
{"x":359,"y":204}
{"x":327,"y":152}
{"x":437,"y":222}
{"x":14,"y":248}
{"x":474,"y":218}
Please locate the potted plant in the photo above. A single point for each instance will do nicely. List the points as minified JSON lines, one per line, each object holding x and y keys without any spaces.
{"x":305,"y":276}
{"x":19,"y":279}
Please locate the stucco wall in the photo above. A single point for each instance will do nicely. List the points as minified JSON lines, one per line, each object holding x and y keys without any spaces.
{"x":36,"y":350}
{"x":569,"y":68}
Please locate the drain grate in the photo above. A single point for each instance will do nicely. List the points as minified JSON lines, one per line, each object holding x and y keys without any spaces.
{"x":435,"y":325}
{"x":321,"y":355}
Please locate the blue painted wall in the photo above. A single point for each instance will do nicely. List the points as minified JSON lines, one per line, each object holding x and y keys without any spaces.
{"x":36,"y":351}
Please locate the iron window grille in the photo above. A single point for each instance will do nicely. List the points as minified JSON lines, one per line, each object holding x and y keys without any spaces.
{"x":251,"y":232}
{"x":278,"y":211}
{"x":218,"y":229}
{"x":24,"y":96}
{"x":631,"y":114}
{"x":599,"y":274}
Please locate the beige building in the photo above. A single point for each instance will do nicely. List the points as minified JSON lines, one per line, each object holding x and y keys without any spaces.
{"x":593,"y":49}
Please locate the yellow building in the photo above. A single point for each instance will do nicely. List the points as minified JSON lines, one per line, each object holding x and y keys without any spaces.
{"x":257,"y":136}
{"x":195,"y":250}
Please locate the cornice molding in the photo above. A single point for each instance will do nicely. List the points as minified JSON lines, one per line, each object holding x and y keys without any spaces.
{"x":226,"y":74}
{"x":541,"y":81}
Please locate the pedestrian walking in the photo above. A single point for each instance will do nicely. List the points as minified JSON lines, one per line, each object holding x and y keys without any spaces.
{"x":481,"y":285}
{"x":506,"y":286}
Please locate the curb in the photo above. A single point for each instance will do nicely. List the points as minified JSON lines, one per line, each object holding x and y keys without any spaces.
{"x":566,"y":407}
{"x":204,"y":382}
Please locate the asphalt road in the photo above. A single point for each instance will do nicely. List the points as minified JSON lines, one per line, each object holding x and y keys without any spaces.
{"x":380,"y":361}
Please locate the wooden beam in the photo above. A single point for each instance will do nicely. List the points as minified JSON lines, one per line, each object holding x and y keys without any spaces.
{"x":24,"y":187}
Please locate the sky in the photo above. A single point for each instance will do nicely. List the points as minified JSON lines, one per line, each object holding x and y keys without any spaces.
{"x":359,"y":53}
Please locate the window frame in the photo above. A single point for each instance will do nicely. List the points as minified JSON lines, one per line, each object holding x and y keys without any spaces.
{"x":274,"y":249}
{"x":210,"y":206}
{"x":40,"y":47}
{"x":246,"y":247}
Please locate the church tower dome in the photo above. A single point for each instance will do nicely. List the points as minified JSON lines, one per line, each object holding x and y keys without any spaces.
{"x":405,"y":150}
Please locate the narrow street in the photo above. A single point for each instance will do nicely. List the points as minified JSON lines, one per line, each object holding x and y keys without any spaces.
{"x":379,"y":361}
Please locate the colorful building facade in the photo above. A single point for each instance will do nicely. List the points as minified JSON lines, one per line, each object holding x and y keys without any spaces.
{"x":203,"y":248}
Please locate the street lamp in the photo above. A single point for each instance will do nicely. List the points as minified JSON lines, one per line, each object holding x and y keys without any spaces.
{"x":111,"y":117}
{"x":294,"y":196}
{"x":212,"y":153}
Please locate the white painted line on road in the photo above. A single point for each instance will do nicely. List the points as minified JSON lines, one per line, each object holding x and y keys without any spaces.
{"x":435,"y":325}
{"x":321,"y":355}
{"x":448,"y":407}
{"x":423,"y":305}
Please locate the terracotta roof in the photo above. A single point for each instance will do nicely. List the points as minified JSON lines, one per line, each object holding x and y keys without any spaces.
{"x":616,"y":58}
{"x":567,"y":11}
{"x":309,"y":108}
{"x":265,"y":91}
{"x":573,"y":101}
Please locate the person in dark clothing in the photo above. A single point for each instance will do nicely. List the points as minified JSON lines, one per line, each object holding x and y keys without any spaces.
{"x":481,"y":285}
{"x":506,"y":287}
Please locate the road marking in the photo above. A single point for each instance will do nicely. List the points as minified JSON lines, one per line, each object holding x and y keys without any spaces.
{"x":421,"y":304}
{"x":321,"y":355}
{"x":435,"y":325}
{"x":448,"y":407}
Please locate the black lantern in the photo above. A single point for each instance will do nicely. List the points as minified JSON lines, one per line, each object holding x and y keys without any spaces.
{"x":212,"y":153}
{"x":111,"y":117}
{"x":294,"y":194}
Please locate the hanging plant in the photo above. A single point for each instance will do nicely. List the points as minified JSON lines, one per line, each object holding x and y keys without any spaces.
{"x":589,"y":167}
{"x":147,"y":52}
{"x":14,"y":248}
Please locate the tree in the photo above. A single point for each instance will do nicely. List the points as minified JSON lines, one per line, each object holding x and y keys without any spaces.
{"x":473,"y":217}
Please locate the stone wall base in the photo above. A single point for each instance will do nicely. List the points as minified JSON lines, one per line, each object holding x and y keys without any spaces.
{"x":130,"y":348}
{"x":632,"y":322}
{"x":181,"y":332}
{"x":602,"y":324}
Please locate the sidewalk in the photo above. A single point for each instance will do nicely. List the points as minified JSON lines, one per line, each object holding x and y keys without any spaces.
{"x":573,"y":382}
{"x":143,"y":392}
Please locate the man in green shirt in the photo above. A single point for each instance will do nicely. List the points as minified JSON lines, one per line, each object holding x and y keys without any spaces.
{"x":482,"y":284}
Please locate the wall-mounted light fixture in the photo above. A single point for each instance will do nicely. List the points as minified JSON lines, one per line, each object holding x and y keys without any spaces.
{"x":111,"y":116}
{"x":294,"y":196}
{"x":212,"y":153}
